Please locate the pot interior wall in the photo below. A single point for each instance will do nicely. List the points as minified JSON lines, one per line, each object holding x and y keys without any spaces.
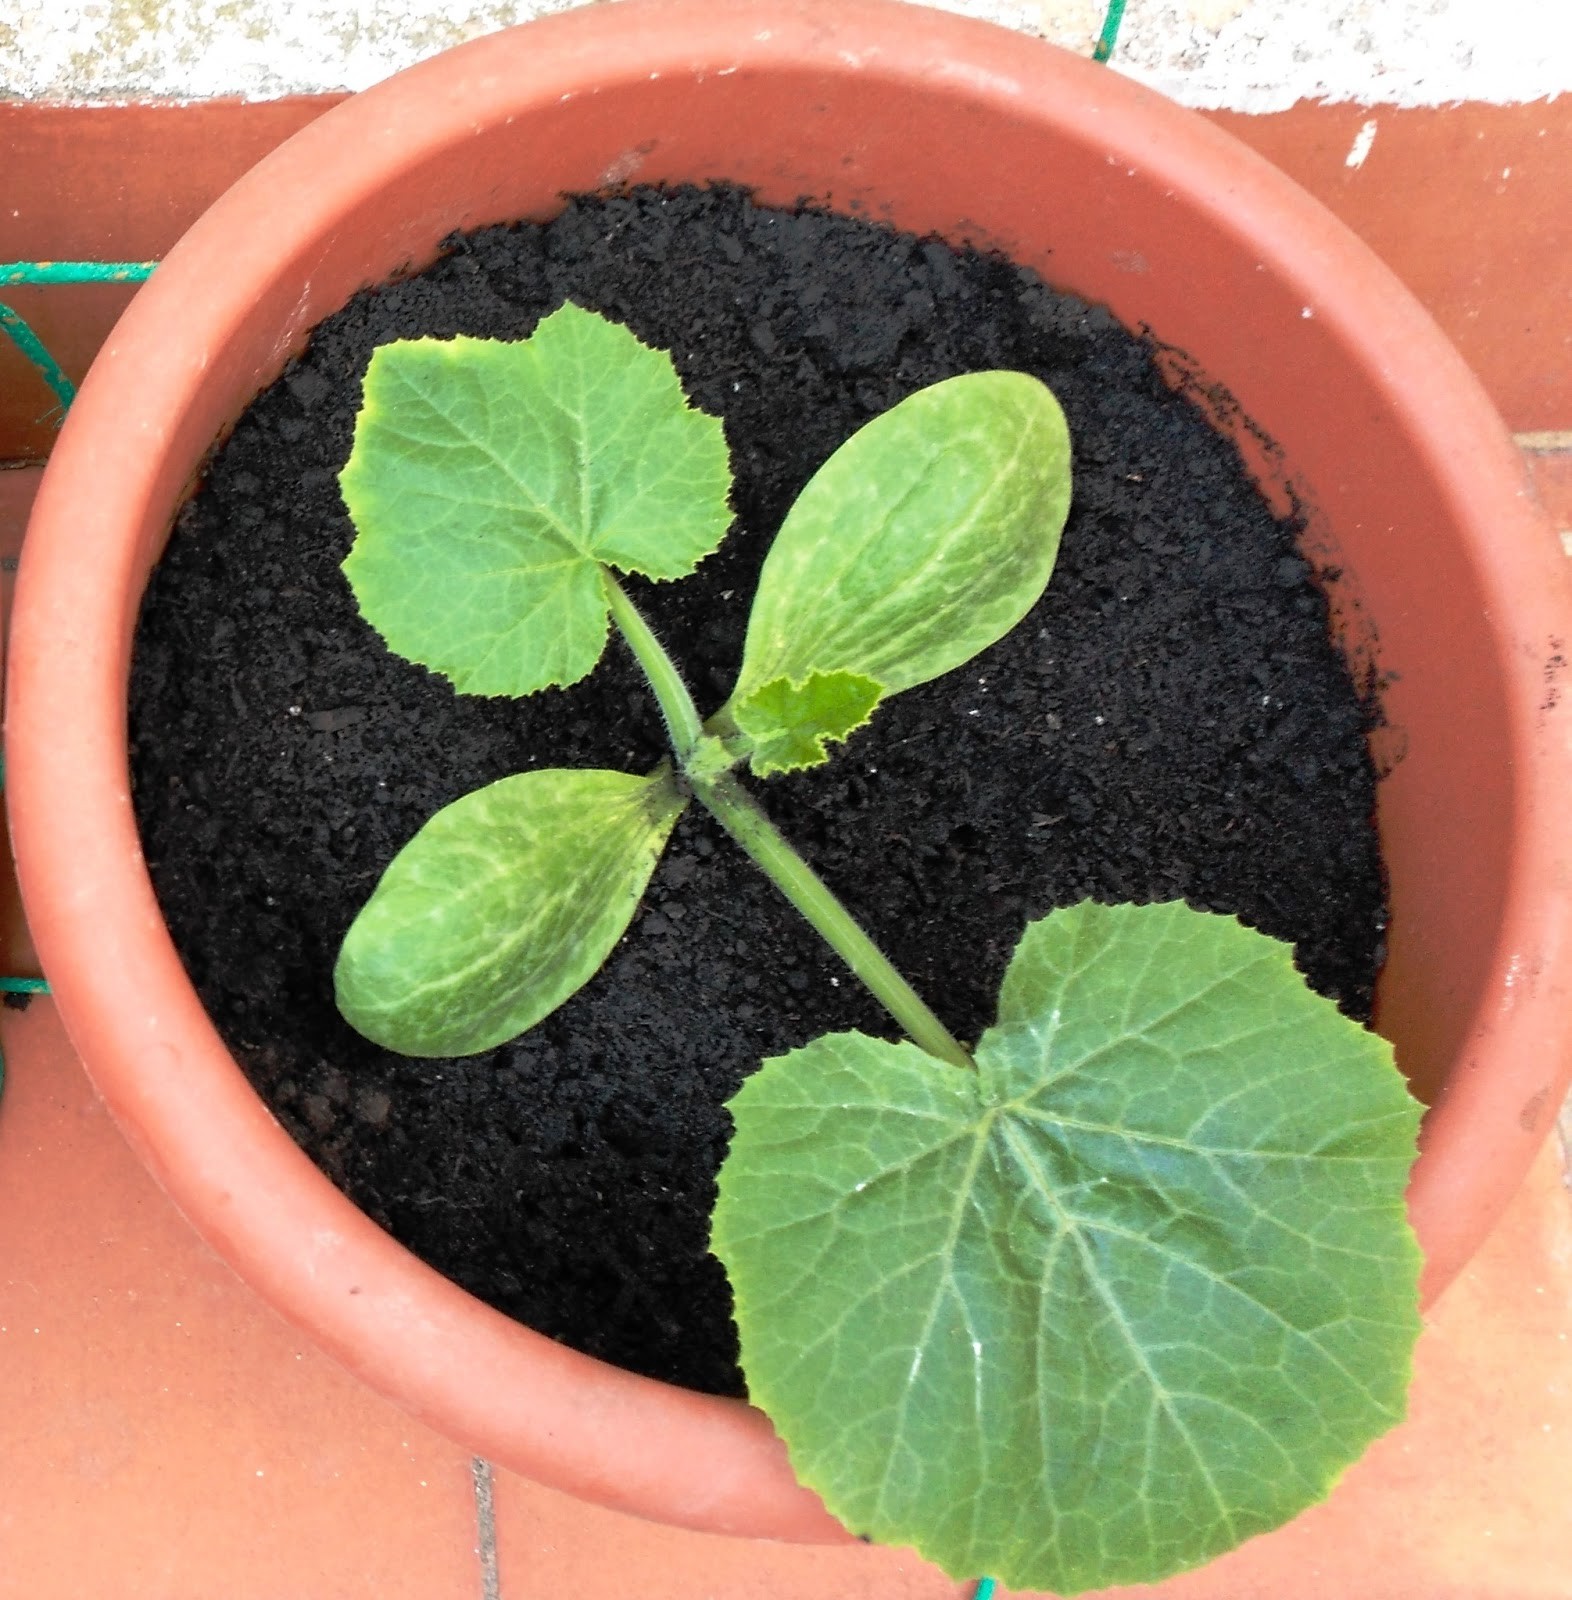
{"x":1103,"y":222}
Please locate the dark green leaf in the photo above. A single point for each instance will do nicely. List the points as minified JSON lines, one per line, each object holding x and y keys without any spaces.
{"x":1140,"y":1288}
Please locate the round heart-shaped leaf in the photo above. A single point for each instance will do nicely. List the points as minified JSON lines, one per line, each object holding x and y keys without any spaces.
{"x":1140,"y":1287}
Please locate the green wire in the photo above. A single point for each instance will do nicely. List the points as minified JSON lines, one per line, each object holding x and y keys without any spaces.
{"x":75,"y":271}
{"x":18,"y":986}
{"x":33,"y":348}
{"x":26,"y":340}
{"x":1105,"y":48}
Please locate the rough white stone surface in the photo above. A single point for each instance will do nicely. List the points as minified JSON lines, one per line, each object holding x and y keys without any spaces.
{"x":1256,"y":55}
{"x":1263,"y":55}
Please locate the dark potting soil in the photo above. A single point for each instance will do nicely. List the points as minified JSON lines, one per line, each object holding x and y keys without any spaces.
{"x":1169,"y":721}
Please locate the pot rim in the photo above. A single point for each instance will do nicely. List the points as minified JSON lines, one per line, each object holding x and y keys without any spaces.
{"x":588,"y":1428}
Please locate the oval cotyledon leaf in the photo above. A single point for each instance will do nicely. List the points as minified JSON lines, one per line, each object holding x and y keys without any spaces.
{"x":927,"y":536}
{"x":490,"y":480}
{"x":505,"y":903}
{"x":1139,"y":1288}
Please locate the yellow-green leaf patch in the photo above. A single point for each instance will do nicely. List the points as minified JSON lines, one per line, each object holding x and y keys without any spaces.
{"x":788,"y":723}
{"x":505,"y":903}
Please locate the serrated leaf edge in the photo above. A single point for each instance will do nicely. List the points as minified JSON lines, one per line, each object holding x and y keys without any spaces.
{"x":373,"y":409}
{"x":767,"y":768}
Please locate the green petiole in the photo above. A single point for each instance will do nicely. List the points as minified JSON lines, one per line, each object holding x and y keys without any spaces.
{"x":745,"y":821}
{"x":681,"y":716}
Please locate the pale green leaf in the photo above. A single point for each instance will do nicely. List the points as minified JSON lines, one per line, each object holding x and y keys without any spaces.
{"x":927,"y":536}
{"x":787,"y":723}
{"x":489,"y":480}
{"x":1139,"y":1288}
{"x":505,"y":903}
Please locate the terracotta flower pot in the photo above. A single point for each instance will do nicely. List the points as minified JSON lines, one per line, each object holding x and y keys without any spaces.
{"x":1452,"y":586}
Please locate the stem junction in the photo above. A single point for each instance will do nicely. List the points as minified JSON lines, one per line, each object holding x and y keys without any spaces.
{"x":706,"y":764}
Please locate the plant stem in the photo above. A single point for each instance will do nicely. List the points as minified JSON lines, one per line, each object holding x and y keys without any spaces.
{"x":742,"y":817}
{"x":746,"y":822}
{"x":671,"y":693}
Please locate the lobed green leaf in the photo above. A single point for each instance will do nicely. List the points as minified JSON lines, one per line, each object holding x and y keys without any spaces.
{"x":928,"y":535}
{"x":1140,"y":1288}
{"x":788,"y":723}
{"x":505,"y":903}
{"x":489,"y":480}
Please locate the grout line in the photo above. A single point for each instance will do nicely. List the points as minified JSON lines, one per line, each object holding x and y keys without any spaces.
{"x":1555,"y":441}
{"x":485,"y":1529}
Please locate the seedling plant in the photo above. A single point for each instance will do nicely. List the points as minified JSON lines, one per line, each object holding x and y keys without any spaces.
{"x":1086,"y":1301}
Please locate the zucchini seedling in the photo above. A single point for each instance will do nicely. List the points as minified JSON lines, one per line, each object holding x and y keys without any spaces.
{"x":1087,"y":1302}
